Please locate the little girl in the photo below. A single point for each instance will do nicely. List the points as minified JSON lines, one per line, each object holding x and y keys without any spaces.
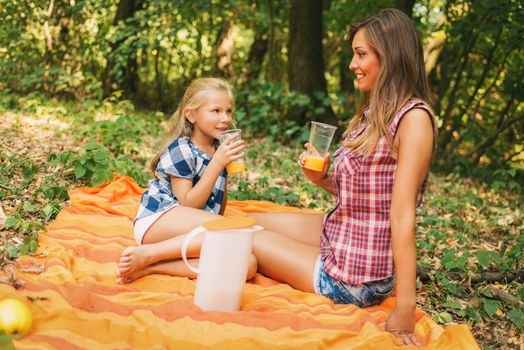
{"x":189,"y":188}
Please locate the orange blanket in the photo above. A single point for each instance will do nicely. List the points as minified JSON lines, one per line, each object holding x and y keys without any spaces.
{"x":76,"y":303}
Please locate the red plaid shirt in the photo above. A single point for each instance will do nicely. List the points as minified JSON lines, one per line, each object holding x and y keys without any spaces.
{"x":356,"y":239}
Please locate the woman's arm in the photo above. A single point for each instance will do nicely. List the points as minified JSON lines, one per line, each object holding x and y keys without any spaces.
{"x":326,"y":183}
{"x":319,"y":178}
{"x":414,"y":140}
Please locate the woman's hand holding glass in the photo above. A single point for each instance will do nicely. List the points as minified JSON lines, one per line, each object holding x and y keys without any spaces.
{"x":316,"y":177}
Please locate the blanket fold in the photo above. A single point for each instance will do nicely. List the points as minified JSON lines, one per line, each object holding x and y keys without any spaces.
{"x":76,"y":303}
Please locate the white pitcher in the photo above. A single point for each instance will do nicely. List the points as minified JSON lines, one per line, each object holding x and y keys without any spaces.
{"x":223,"y":265}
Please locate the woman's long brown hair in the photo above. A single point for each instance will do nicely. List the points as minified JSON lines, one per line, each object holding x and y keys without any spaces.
{"x":402,"y":75}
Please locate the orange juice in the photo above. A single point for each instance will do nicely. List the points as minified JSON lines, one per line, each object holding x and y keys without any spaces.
{"x":314,"y":163}
{"x":233,"y":168}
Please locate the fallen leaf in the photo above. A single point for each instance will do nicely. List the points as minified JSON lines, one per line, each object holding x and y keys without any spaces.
{"x":11,"y":278}
{"x":2,"y":218}
{"x":16,"y":240}
{"x":41,"y":254}
{"x":31,"y":266}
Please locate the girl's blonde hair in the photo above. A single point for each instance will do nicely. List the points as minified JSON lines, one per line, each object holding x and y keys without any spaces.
{"x":402,"y":75}
{"x":194,"y":97}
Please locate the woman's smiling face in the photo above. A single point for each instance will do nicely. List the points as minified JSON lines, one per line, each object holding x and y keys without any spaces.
{"x":365,"y":62}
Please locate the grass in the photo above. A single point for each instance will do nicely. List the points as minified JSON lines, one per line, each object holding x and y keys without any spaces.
{"x":465,"y":228}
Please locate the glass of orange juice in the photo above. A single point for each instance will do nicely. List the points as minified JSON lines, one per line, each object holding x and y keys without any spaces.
{"x":320,"y":138}
{"x":238,"y":165}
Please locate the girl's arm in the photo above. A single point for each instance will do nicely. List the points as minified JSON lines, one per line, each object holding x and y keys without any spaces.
{"x":415,"y":147}
{"x":224,"y":201}
{"x":197,"y":196}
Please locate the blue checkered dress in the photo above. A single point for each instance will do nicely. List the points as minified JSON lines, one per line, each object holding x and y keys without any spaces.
{"x":181,"y":159}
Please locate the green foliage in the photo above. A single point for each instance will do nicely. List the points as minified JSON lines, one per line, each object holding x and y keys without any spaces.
{"x":453,"y":261}
{"x":6,"y":342}
{"x":478,"y":82}
{"x":61,"y":54}
{"x":455,"y":218}
{"x":53,"y":190}
{"x":95,"y":164}
{"x":517,"y":317}
{"x":270,"y":104}
{"x":284,"y":113}
{"x":261,"y":190}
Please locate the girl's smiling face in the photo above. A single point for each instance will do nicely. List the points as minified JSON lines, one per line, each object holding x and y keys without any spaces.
{"x":212,"y":118}
{"x":365,"y":62}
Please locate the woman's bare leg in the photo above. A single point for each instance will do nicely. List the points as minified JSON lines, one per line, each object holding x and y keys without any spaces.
{"x":163,"y":240}
{"x":301,"y":227}
{"x":285,"y":259}
{"x":178,"y":268}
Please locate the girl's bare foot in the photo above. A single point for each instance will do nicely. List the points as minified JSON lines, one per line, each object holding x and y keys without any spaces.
{"x":134,"y":276}
{"x":175,"y":267}
{"x":133,"y":259}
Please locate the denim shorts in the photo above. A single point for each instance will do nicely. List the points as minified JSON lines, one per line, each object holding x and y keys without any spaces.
{"x":361,"y":295}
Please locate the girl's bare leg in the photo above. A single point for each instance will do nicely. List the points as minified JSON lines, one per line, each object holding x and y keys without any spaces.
{"x":178,"y":268}
{"x":300,"y":227}
{"x":177,"y":221}
{"x":163,"y":240}
{"x":285,"y":259}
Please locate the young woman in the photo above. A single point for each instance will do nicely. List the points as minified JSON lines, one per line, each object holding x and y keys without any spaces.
{"x":354,"y":253}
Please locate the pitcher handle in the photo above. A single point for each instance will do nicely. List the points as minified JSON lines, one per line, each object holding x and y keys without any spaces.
{"x":185,"y":244}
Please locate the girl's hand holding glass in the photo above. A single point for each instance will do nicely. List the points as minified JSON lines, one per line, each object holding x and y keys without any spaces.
{"x":229,"y":151}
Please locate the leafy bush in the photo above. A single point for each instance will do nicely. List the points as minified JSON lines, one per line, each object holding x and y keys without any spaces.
{"x":268,"y":110}
{"x":95,"y":165}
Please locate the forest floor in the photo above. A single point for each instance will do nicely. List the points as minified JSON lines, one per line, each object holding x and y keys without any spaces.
{"x":467,"y":231}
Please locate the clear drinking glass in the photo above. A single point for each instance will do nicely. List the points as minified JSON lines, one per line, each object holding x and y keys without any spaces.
{"x":320,"y":138}
{"x":238,"y":165}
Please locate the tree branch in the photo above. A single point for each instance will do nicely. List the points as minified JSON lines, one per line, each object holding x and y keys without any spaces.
{"x":494,"y":82}
{"x":482,"y":147}
{"x":503,"y":296}
{"x":489,"y":277}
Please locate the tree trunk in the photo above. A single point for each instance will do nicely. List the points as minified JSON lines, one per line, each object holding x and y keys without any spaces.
{"x":446,"y":115}
{"x":55,"y":55}
{"x":272,"y":69}
{"x":346,"y":78}
{"x":255,"y":58}
{"x":129,"y":73}
{"x":225,"y":50}
{"x":305,"y":59}
{"x":488,"y":66}
{"x":406,"y":6}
